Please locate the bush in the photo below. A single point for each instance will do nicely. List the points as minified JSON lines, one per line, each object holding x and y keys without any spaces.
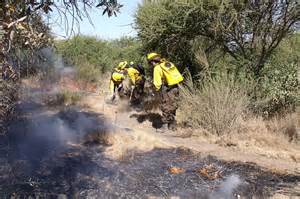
{"x":64,"y":97}
{"x":278,"y":90}
{"x":93,"y":57}
{"x":87,"y":72}
{"x":104,"y":54}
{"x":88,"y":48}
{"x":215,"y":106}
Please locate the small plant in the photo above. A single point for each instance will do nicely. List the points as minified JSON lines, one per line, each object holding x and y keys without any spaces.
{"x":64,"y":98}
{"x":69,"y":97}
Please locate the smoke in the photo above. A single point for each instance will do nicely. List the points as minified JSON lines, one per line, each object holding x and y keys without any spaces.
{"x":227,"y":188}
{"x":42,"y":130}
{"x":54,"y":67}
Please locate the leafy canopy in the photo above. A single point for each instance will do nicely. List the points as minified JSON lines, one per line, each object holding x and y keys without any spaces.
{"x":249,"y":31}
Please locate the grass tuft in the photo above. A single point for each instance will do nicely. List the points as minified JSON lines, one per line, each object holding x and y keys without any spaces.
{"x":215,"y":106}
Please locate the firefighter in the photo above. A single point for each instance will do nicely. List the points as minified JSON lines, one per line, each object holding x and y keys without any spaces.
{"x":116,"y":80}
{"x":166,"y":79}
{"x":121,"y":66}
{"x":136,"y":74}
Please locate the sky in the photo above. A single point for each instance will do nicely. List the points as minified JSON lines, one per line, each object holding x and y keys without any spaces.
{"x":103,"y":27}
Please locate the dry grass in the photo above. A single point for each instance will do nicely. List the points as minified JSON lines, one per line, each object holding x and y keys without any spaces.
{"x":288,"y":126}
{"x":215,"y":107}
{"x":276,"y":138}
{"x":218,"y":113}
{"x":69,"y":97}
{"x":103,"y":84}
{"x":63,"y":98}
{"x":101,"y":136}
{"x":125,"y":143}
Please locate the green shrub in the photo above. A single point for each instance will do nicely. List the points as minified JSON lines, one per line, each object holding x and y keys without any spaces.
{"x":278,"y":90}
{"x":103,"y":54}
{"x":92,"y":56}
{"x":87,"y":72}
{"x":89,"y":49}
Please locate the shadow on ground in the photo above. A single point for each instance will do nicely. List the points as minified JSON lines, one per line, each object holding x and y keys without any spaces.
{"x":154,"y":118}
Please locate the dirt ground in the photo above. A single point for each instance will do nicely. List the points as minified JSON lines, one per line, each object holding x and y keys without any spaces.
{"x":147,"y":137}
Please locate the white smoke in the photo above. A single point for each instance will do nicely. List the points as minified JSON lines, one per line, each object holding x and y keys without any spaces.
{"x":45,"y":127}
{"x":227,"y":188}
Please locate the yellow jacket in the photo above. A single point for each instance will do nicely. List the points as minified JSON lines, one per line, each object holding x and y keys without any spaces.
{"x":134,"y":75}
{"x":166,"y":73}
{"x":116,"y":79}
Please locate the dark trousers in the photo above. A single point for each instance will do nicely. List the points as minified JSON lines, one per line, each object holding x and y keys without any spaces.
{"x":138,"y":92}
{"x":169,"y":104}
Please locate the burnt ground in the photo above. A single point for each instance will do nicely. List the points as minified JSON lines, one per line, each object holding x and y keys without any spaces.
{"x":48,"y":153}
{"x":37,"y":162}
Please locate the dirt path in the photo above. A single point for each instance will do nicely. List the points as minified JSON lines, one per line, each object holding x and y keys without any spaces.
{"x":145,"y":137}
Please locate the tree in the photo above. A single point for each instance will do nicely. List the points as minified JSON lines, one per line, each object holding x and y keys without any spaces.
{"x":23,"y":28}
{"x":249,"y":31}
{"x":19,"y":17}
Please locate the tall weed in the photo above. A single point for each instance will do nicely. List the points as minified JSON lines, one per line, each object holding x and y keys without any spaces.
{"x":214,"y":106}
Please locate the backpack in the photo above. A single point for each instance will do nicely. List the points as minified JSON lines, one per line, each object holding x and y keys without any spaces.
{"x":140,"y":68}
{"x":171,"y":73}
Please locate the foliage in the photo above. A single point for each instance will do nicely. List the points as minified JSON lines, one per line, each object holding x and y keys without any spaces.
{"x":87,"y":72}
{"x":8,"y":98}
{"x":127,"y":48}
{"x":23,"y":27}
{"x":249,"y":31}
{"x":279,"y":87}
{"x":112,"y":7}
{"x":81,"y":48}
{"x":288,"y":51}
{"x":92,"y":56}
{"x":250,"y":40}
{"x":278,"y":90}
{"x":23,"y":33}
{"x":216,"y":105}
{"x":20,"y":37}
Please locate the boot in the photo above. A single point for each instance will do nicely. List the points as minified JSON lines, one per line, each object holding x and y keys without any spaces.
{"x":172,"y":126}
{"x":163,"y":128}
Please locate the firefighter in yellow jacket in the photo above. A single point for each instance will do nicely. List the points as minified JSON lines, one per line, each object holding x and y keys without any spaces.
{"x":116,"y":80}
{"x":166,"y":79}
{"x":136,"y":75}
